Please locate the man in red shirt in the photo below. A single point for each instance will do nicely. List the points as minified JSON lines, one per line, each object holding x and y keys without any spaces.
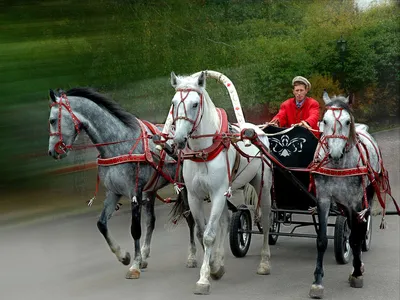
{"x":300,"y":110}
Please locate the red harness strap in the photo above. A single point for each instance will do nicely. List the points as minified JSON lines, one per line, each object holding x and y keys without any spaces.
{"x":220,"y":142}
{"x":380,"y":182}
{"x":146,"y":157}
{"x":130,"y":157}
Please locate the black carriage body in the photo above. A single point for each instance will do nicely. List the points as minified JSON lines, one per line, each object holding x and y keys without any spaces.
{"x":294,"y":149}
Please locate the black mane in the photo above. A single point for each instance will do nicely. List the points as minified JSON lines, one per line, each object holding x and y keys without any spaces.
{"x":110,"y":105}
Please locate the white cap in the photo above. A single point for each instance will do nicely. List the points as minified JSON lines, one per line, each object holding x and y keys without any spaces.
{"x":302,"y":80}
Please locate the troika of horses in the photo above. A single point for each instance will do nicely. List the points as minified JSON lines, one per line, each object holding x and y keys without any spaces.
{"x":207,"y":157}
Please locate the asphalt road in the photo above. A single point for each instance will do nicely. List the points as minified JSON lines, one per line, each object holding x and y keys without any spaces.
{"x":67,"y":258}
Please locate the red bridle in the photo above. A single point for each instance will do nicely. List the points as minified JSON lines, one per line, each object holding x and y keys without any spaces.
{"x":334,"y":135}
{"x":183,"y":96}
{"x":60,"y":147}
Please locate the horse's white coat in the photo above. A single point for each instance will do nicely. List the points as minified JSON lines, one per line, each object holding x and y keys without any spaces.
{"x":211,"y":179}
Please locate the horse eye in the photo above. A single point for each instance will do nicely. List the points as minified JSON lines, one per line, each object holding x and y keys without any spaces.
{"x":347,"y":122}
{"x":195,"y":105}
{"x":323,"y":121}
{"x":52,"y":121}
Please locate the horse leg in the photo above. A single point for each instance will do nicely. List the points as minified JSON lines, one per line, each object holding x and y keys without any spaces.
{"x":148,"y":204}
{"x":264,"y":268}
{"x":218,"y":255}
{"x":108,"y":209}
{"x":136,"y":232}
{"x":218,"y":204}
{"x":357,"y":233}
{"x":191,"y":260}
{"x":317,"y":288}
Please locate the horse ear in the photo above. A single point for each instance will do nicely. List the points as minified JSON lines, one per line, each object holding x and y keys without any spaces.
{"x":52,"y":95}
{"x":346,"y":100}
{"x":201,"y":81}
{"x":325,"y":97}
{"x":174,"y":80}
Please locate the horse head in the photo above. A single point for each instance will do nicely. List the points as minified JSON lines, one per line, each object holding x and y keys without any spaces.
{"x":188,"y":106}
{"x":338,"y":126}
{"x":64,"y":126}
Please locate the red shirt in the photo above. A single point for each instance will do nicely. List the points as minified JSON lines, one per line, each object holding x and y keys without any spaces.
{"x":289,"y":114}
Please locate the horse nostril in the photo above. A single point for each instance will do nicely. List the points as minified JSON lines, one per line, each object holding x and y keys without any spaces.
{"x":49,"y":152}
{"x":341,"y":156}
{"x":330,"y":156}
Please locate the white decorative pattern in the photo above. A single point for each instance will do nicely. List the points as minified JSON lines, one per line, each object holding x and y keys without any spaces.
{"x":285,"y":146}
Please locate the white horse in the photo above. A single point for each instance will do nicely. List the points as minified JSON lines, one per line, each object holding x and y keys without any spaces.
{"x":214,"y":167}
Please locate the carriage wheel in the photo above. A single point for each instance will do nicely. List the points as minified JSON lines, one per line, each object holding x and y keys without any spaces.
{"x":274,"y":228}
{"x":240,"y":231}
{"x":366,"y":243}
{"x":341,"y":241}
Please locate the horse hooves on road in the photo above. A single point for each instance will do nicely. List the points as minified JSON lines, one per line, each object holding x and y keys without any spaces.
{"x":218,"y":275}
{"x":357,"y":282}
{"x":264,"y":270}
{"x":132,"y":274}
{"x":127,"y":259}
{"x":202,"y":289}
{"x":316,"y":291}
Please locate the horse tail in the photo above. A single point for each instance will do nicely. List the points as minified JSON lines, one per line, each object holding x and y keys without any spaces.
{"x":180,"y":209}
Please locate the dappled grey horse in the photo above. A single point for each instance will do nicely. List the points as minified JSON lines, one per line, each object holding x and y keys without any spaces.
{"x":124,"y":169}
{"x":342,"y":163}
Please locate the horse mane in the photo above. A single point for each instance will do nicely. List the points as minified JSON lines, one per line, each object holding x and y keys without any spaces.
{"x":110,"y":105}
{"x":339,"y":101}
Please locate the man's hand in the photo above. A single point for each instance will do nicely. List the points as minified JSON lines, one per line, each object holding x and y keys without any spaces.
{"x":304,"y":124}
{"x":266,"y":124}
{"x":274,"y":123}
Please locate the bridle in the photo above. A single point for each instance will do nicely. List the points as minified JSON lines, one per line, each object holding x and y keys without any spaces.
{"x":60,"y":147}
{"x":184,"y":93}
{"x":324,"y":139}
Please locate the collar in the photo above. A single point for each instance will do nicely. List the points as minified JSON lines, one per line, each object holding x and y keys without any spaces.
{"x":299,"y":104}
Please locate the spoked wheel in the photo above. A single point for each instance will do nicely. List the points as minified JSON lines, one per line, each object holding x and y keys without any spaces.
{"x":274,"y":228}
{"x":366,"y":243}
{"x":240,"y":232}
{"x":341,"y":241}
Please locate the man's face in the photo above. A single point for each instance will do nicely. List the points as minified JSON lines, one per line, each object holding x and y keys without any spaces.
{"x":300,"y":92}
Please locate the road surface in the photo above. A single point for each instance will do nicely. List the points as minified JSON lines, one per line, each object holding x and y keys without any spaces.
{"x":67,"y":258}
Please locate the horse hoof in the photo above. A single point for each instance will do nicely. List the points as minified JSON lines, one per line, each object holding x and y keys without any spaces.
{"x":127,"y":259}
{"x":356,"y":282}
{"x":144,"y":265}
{"x":133,"y":274}
{"x":316,"y":291}
{"x":192,"y":263}
{"x":202,"y":289}
{"x":264,"y":269}
{"x":362,"y":269}
{"x":218,"y":275}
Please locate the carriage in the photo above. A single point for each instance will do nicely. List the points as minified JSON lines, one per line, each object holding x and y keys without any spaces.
{"x":244,"y":156}
{"x":292,"y":150}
